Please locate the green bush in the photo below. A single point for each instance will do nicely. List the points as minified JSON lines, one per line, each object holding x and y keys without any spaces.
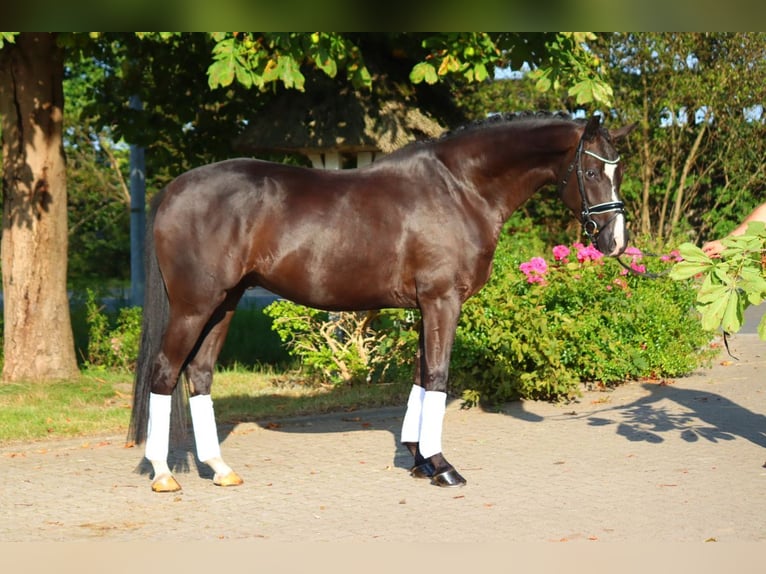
{"x":112,"y":341}
{"x":113,"y":337}
{"x":346,"y":347}
{"x":251,"y":343}
{"x":541,"y":327}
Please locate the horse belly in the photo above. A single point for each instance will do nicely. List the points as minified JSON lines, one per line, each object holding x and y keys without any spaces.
{"x":338,"y":282}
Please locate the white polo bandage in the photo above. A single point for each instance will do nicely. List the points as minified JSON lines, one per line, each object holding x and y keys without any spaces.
{"x":434,"y":407}
{"x":412,"y":418}
{"x":158,"y":429}
{"x":205,"y":431}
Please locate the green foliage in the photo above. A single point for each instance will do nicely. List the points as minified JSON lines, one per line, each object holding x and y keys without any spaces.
{"x":112,"y":343}
{"x":251,"y":343}
{"x":577,"y":322}
{"x":729,"y":284}
{"x":109,"y":340}
{"x":8,"y":38}
{"x":258,"y":59}
{"x":345,"y":347}
{"x":570,"y":63}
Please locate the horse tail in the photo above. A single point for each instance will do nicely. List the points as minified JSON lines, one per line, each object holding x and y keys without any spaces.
{"x":155,"y":316}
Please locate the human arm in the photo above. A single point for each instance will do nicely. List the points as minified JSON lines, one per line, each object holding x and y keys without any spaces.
{"x":715,"y":247}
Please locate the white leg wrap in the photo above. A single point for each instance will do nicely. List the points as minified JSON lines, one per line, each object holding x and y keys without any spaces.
{"x":412,"y":417}
{"x":205,"y":431}
{"x":434,"y":406}
{"x":158,"y":430}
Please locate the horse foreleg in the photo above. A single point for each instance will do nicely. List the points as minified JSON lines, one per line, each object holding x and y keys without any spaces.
{"x":410,"y":436}
{"x":436,"y":338}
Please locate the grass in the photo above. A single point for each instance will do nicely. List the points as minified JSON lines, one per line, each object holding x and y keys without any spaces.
{"x":98,"y":402}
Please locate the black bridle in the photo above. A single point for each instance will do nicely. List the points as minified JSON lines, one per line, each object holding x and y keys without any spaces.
{"x":589,"y":225}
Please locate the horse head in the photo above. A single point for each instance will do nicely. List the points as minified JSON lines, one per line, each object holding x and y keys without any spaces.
{"x":593,"y":194}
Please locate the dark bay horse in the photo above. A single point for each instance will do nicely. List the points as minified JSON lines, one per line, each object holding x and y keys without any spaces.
{"x":415,"y":229}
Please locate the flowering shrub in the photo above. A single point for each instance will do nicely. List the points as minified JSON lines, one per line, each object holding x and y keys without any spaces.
{"x":541,"y":327}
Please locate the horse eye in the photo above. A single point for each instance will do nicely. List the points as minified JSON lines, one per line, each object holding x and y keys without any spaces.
{"x":590,"y":174}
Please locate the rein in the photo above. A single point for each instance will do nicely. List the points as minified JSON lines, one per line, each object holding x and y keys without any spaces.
{"x":646,"y":274}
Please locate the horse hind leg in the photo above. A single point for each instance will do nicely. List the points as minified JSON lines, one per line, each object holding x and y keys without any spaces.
{"x":199,"y":373}
{"x":178,"y":343}
{"x":158,"y":443}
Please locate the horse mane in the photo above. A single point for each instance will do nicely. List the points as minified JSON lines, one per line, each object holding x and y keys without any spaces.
{"x":489,"y":121}
{"x":505,"y":117}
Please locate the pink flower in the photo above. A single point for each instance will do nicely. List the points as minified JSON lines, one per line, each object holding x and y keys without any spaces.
{"x":674,"y":256}
{"x":621,"y":283}
{"x":534,"y":269}
{"x":588,"y":253}
{"x":560,"y":252}
{"x":635,"y":266}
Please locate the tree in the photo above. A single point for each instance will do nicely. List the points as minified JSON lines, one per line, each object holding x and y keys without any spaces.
{"x":690,"y":93}
{"x":38,"y":340}
{"x":37,"y":328}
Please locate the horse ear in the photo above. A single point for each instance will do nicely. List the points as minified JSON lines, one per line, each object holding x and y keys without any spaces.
{"x":620,"y":133}
{"x":592,"y":127}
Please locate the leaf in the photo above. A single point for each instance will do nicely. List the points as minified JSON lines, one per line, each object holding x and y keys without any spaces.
{"x":220,"y":73}
{"x":543,"y":84}
{"x":289,"y":73}
{"x":449,"y":64}
{"x":734,"y":314}
{"x":480,"y":72}
{"x":423,"y":72}
{"x":713,"y":312}
{"x":686,"y":269}
{"x":762,"y":328}
{"x":328,"y":65}
{"x":243,"y":76}
{"x":690,"y":252}
{"x":582,"y":91}
{"x":710,"y":292}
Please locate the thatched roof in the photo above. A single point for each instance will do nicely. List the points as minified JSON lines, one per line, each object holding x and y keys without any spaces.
{"x":332,"y":116}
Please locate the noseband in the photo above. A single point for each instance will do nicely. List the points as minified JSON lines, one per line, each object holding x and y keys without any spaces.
{"x":589,"y":225}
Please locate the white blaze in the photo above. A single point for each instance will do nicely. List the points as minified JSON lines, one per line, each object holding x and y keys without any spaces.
{"x":618,"y":228}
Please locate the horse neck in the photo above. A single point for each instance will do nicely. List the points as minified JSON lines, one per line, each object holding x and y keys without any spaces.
{"x":507,"y":164}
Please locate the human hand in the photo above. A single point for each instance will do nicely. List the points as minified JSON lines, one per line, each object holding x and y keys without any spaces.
{"x":713,"y":249}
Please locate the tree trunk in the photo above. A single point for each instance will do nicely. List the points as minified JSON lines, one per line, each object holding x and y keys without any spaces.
{"x":38,"y":340}
{"x":690,"y":159}
{"x":648,"y":164}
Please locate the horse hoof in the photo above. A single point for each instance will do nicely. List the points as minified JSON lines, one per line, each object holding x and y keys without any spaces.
{"x":424,"y":470}
{"x":449,"y":478}
{"x":230,"y":479}
{"x":165,"y":483}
